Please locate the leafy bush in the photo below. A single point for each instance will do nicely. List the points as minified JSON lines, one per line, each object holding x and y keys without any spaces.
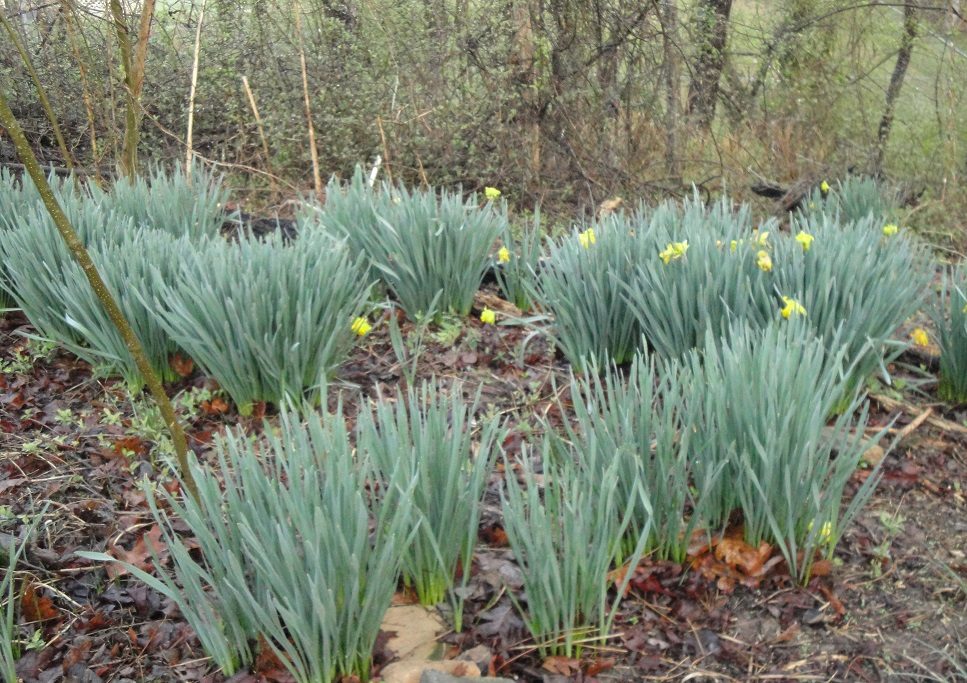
{"x":421,"y":244}
{"x":633,"y":423}
{"x":949,"y":314}
{"x":191,"y":204}
{"x":55,"y":294}
{"x":429,"y":437}
{"x":288,"y":557}
{"x":268,"y":321}
{"x":779,"y":467}
{"x":565,"y":542}
{"x":857,"y":287}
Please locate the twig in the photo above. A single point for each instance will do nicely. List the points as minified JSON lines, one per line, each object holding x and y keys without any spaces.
{"x":191,"y":94}
{"x":316,"y":175}
{"x":261,"y":128}
{"x":901,"y":434}
{"x":386,"y":157}
{"x":939,"y":422}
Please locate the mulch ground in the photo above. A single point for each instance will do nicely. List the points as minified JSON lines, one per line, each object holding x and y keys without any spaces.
{"x":892,"y":606}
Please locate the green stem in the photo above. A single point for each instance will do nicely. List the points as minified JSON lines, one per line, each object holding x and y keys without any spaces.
{"x":9,"y":121}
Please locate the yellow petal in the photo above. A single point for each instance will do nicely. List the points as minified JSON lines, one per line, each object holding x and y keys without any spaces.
{"x":764,"y":261}
{"x":361,"y":326}
{"x":919,"y":337}
{"x":491,"y":193}
{"x":805,"y":239}
{"x":488,"y":317}
{"x":890,"y":229}
{"x":503,"y":255}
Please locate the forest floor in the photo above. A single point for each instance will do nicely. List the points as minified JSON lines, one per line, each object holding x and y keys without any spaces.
{"x":892,"y":606}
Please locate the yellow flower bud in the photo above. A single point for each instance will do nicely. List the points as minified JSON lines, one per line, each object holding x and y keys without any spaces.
{"x":764,"y":261}
{"x":791,"y":308}
{"x":488,"y":317}
{"x":673,"y":251}
{"x":824,"y":187}
{"x":805,"y":239}
{"x":361,"y":326}
{"x":825,"y":531}
{"x":503,"y":255}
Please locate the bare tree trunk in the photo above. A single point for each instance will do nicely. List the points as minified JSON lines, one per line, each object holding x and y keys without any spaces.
{"x":896,"y":83}
{"x":133,"y":60}
{"x":713,"y":33}
{"x":525,"y":69}
{"x":669,"y":24}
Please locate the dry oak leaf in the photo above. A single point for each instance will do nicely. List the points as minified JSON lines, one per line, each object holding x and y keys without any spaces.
{"x":140,"y":554}
{"x":34,"y":606}
{"x":564,"y":666}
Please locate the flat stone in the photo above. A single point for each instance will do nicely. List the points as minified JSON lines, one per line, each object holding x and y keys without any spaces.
{"x":479,"y":655}
{"x":441,"y":677}
{"x":415,"y":631}
{"x":412,"y":670}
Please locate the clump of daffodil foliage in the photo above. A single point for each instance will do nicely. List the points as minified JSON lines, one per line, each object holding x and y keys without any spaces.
{"x":425,"y":246}
{"x":663,"y":278}
{"x":856,"y":286}
{"x":580,"y":285}
{"x":429,"y":436}
{"x":851,"y":199}
{"x":291,"y":551}
{"x":190,"y":204}
{"x":136,"y":234}
{"x":269,"y":320}
{"x":770,"y":456}
{"x":566,"y":533}
{"x":949,"y":314}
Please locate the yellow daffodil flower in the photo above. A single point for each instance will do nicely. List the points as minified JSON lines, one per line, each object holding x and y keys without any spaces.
{"x":919,"y":337}
{"x":791,"y":308}
{"x":890,"y":229}
{"x":503,"y":255}
{"x":587,"y":238}
{"x":734,"y":245}
{"x":488,"y":317}
{"x":491,"y":193}
{"x":673,"y":251}
{"x":824,"y":187}
{"x":825,"y":531}
{"x":764,"y":261}
{"x":805,"y":239}
{"x":761,"y":238}
{"x":361,"y":326}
